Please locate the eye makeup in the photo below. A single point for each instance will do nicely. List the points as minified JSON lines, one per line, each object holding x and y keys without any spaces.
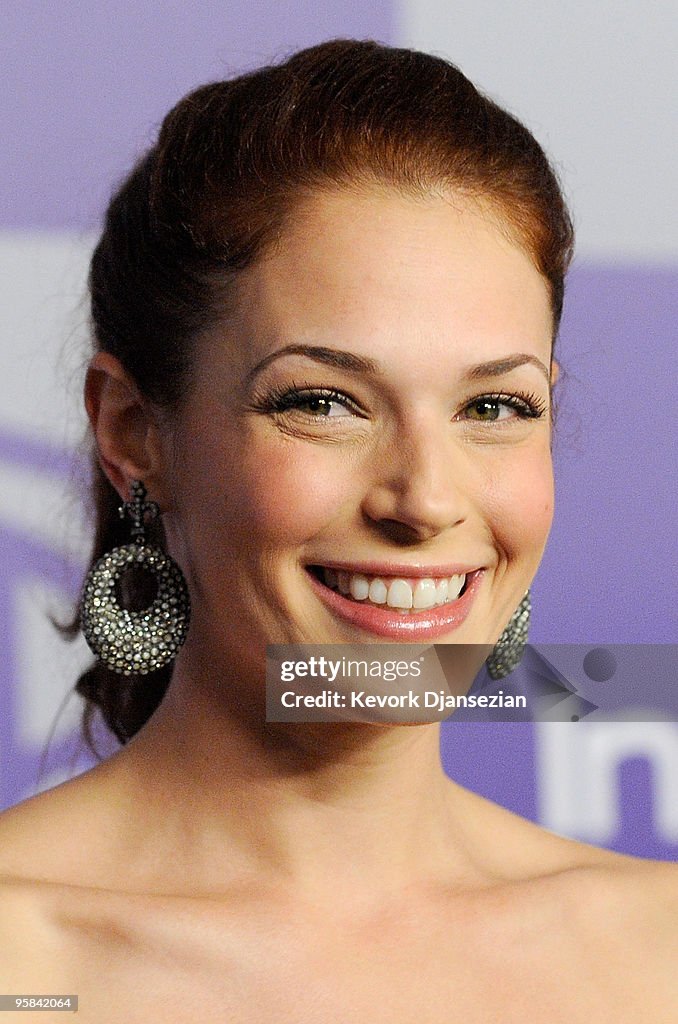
{"x":319,"y":400}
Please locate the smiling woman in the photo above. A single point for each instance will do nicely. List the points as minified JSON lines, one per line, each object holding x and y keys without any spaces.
{"x":395,"y":422}
{"x":324,"y":309}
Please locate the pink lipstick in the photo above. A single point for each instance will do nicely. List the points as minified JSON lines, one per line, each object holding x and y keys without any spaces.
{"x":390,"y":624}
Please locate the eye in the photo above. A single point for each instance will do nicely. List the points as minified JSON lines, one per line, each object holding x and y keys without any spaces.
{"x":487,"y":408}
{"x":315,"y":403}
{"x":318,"y":403}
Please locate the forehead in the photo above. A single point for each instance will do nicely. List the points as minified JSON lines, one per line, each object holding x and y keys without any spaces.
{"x":369,"y":270}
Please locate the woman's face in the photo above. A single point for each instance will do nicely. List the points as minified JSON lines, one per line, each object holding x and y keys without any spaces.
{"x":403,"y":467}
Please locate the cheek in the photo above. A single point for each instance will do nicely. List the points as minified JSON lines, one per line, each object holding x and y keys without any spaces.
{"x":286,"y":492}
{"x":521,"y":501}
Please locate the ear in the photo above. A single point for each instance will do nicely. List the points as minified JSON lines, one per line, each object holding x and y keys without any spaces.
{"x":126,"y":429}
{"x":555,"y":371}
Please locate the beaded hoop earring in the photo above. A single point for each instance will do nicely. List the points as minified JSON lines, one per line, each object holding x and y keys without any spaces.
{"x":510,"y":646}
{"x":135,"y":642}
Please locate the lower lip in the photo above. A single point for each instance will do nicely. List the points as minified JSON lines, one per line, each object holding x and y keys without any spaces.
{"x":428,"y":624}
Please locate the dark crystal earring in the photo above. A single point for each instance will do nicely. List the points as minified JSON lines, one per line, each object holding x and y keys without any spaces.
{"x":510,"y":646}
{"x":133,"y":642}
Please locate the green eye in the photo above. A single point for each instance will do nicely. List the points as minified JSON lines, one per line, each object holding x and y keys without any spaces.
{"x":315,"y":403}
{"x":484,"y":409}
{"x":328,"y":403}
{"x":487,"y":408}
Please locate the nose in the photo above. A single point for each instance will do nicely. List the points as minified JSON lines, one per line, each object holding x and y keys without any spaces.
{"x":420,"y":483}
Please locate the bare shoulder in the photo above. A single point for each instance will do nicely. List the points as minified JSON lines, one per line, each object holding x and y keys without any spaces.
{"x":622,"y":912}
{"x":48,"y":844}
{"x":29,"y":840}
{"x":604,"y":887}
{"x":32,"y":839}
{"x":619,"y":911}
{"x":629,"y":899}
{"x":57,"y":833}
{"x":30,"y":950}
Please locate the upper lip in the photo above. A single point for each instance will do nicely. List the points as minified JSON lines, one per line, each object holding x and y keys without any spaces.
{"x":399,"y":569}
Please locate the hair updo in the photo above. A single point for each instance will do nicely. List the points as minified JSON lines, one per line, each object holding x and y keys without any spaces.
{"x":231,"y":161}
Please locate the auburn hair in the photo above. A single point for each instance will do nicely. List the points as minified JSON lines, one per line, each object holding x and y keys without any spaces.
{"x":232,"y":161}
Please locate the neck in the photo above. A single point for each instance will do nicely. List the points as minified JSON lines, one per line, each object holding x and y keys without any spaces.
{"x":332,"y":812}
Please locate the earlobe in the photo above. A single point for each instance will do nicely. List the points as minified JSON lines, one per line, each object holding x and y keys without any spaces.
{"x":122,"y":424}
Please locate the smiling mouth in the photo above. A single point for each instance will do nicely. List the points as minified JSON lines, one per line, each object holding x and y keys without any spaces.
{"x":409,"y":596}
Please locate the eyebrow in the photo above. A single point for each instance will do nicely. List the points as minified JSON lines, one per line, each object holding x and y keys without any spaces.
{"x":343,"y":360}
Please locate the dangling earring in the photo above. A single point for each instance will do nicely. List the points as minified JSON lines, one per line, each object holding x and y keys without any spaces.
{"x":135,"y":642}
{"x":510,"y":646}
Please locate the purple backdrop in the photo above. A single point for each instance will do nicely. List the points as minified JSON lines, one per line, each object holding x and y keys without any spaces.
{"x":89,"y":85}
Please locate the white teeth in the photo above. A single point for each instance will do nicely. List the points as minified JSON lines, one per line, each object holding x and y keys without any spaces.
{"x":399,"y":595}
{"x":360,"y":587}
{"x":427,"y":593}
{"x":378,"y":592}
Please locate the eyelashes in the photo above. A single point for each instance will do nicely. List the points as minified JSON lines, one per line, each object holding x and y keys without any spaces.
{"x":284,"y":399}
{"x":304,"y":397}
{"x":527,"y":405}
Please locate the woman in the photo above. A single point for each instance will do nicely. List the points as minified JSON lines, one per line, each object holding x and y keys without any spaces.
{"x":324,"y":309}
